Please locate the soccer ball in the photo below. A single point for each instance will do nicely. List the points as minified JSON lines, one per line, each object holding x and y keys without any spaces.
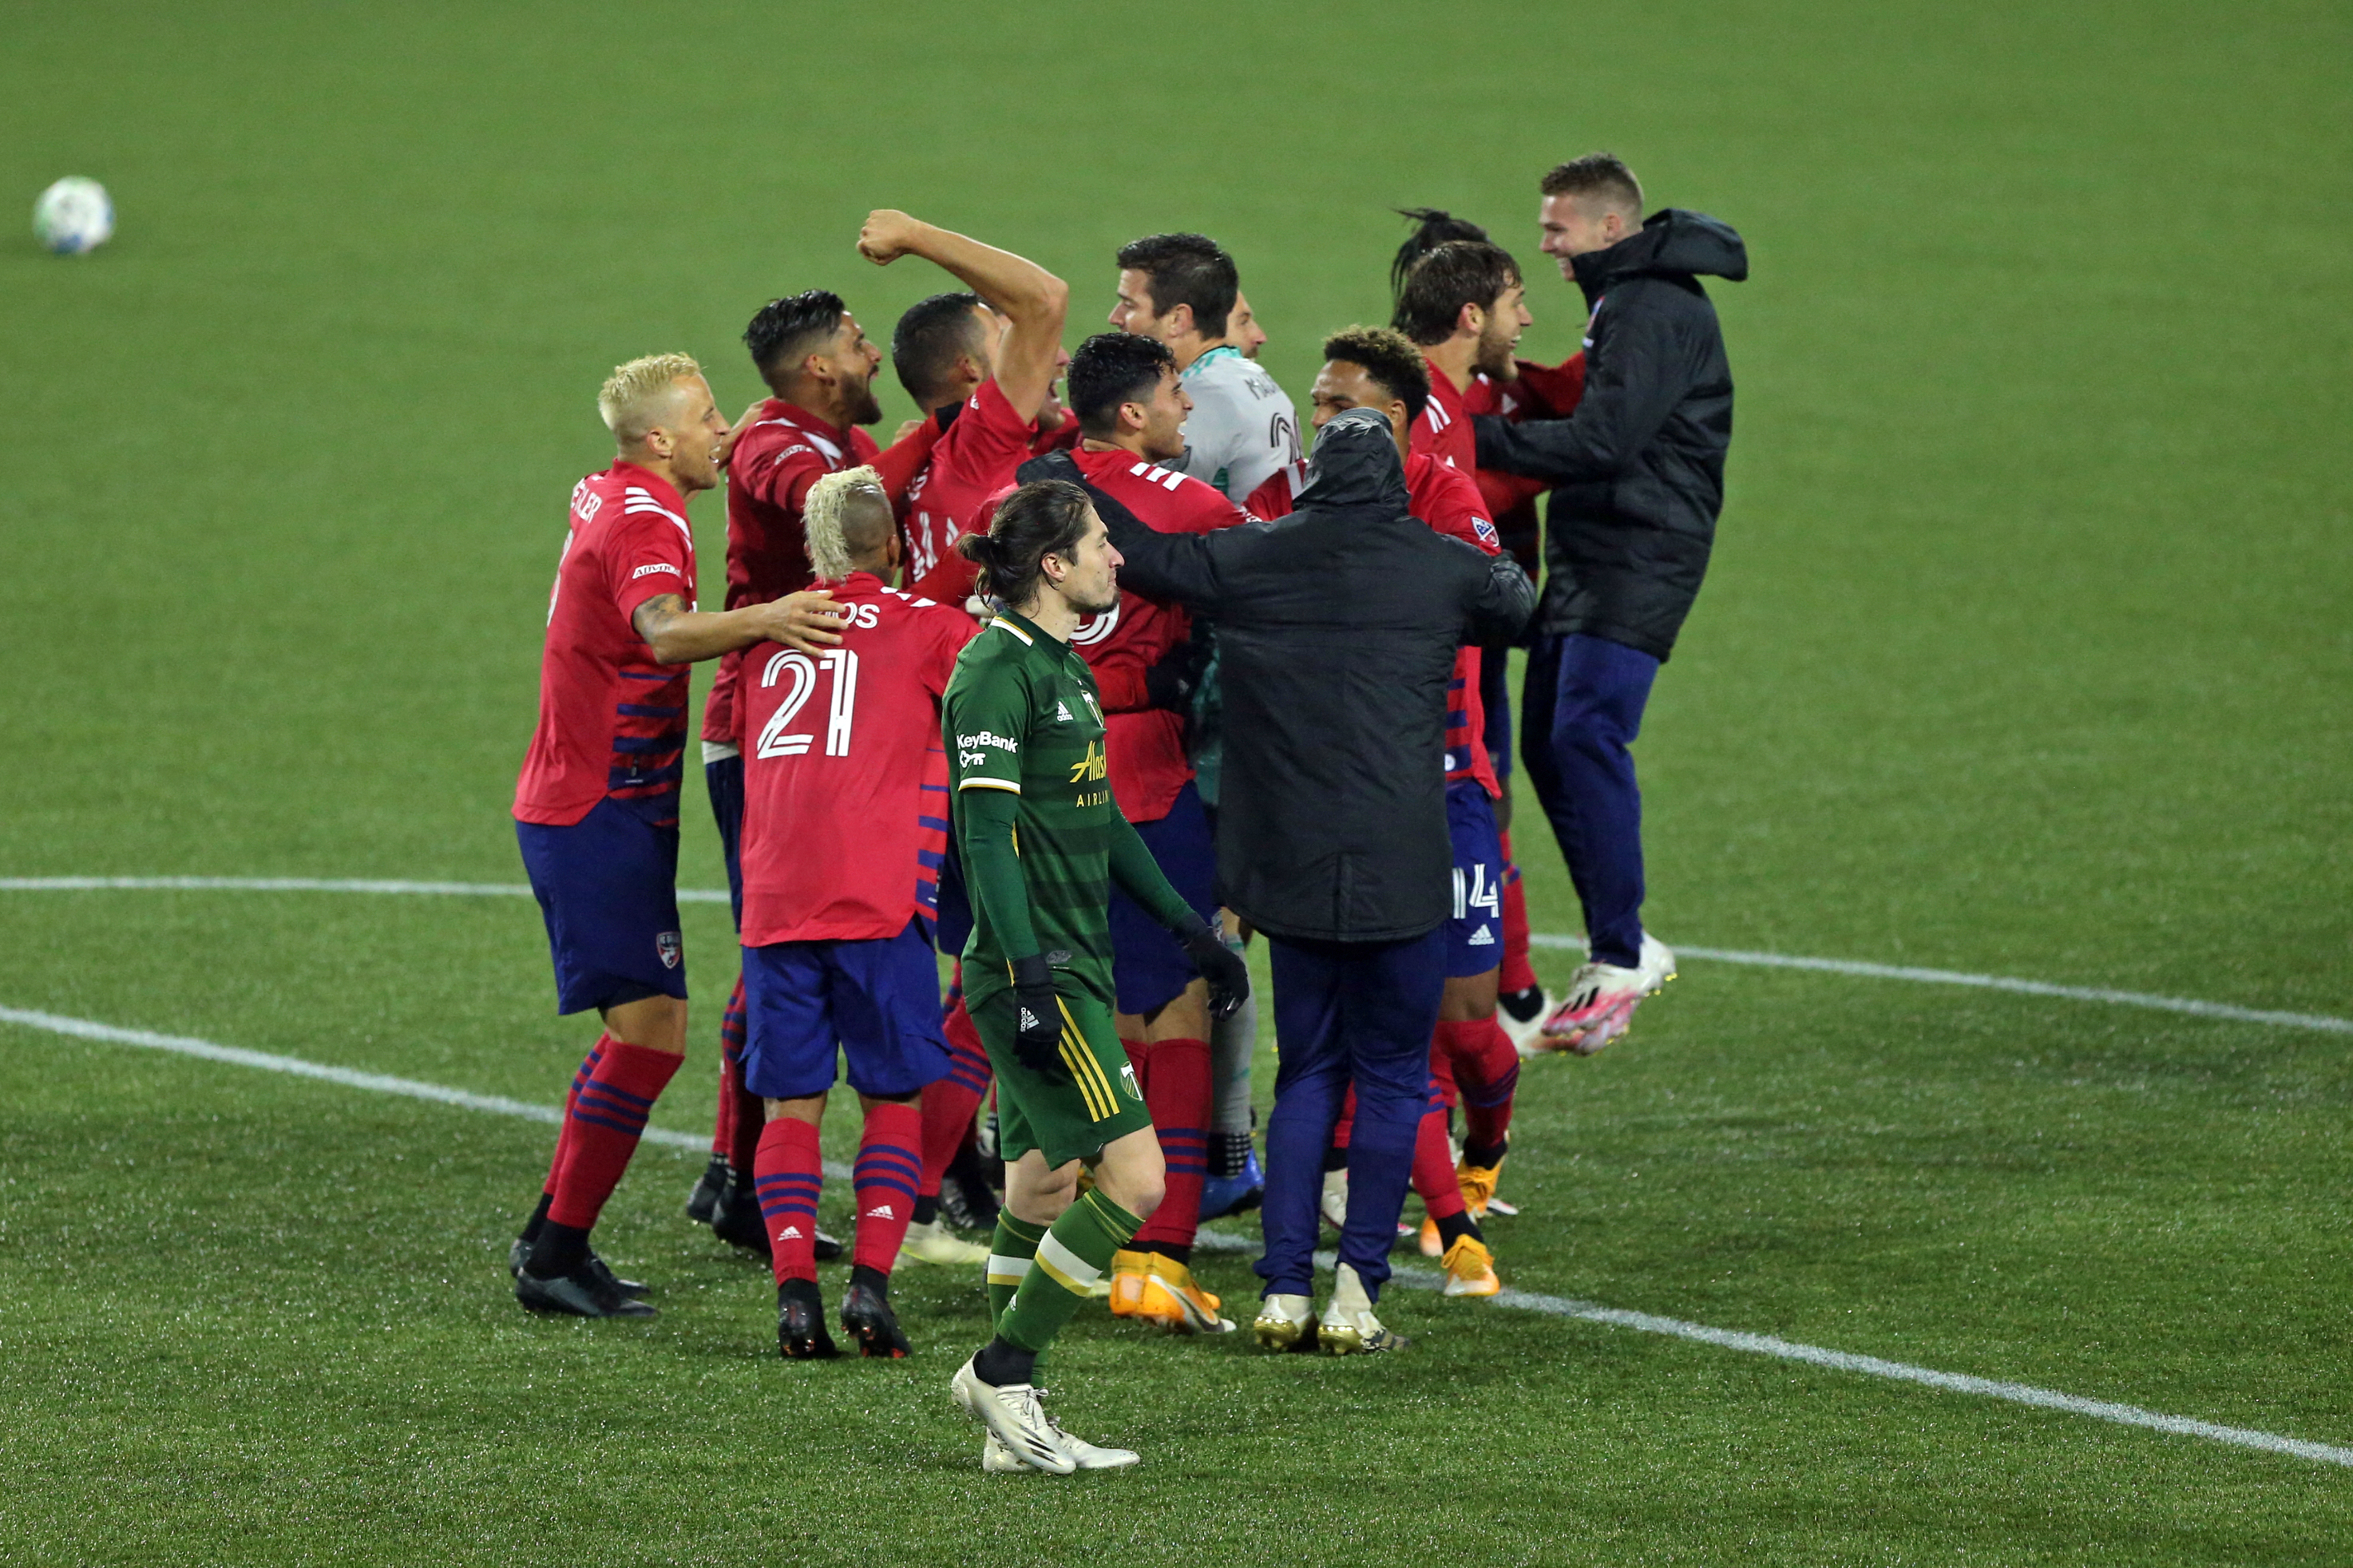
{"x":74,"y":216}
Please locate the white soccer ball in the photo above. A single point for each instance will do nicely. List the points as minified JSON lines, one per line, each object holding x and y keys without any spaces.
{"x":74,"y":216}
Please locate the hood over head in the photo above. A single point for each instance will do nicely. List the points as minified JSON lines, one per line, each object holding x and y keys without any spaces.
{"x":1356,"y":463}
{"x":1671,"y":243}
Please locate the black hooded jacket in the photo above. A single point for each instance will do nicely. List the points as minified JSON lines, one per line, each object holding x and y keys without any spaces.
{"x":1337,"y":626}
{"x":1638,"y":470}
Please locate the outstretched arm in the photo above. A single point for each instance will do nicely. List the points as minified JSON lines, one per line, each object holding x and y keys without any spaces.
{"x":1032,"y":299}
{"x":1505,"y":601}
{"x":1179,"y":566}
{"x":808,"y":620}
{"x":1625,"y":403}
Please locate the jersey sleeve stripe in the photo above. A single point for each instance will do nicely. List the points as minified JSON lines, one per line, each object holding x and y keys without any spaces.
{"x":990,"y":784}
{"x":1026,"y":640}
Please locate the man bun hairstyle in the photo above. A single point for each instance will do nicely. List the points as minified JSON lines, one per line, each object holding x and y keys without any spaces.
{"x":1457,"y":273}
{"x":1186,"y":270}
{"x":1390,"y":358}
{"x":1046,"y":518}
{"x":928,"y":339}
{"x":1432,"y":227}
{"x":1600,"y":176}
{"x":638,"y":396}
{"x":849,"y":518}
{"x":1109,"y":369}
{"x":787,"y":331}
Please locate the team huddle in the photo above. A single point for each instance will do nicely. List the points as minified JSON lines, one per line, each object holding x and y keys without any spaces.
{"x":1090,"y":678}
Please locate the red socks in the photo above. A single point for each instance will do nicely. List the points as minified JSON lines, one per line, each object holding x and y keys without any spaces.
{"x":890,"y":1166}
{"x":786,"y":1171}
{"x":563,"y":1128}
{"x":1433,"y":1168}
{"x":736,"y":1131}
{"x":601,"y":1129}
{"x":948,"y":1103}
{"x":1487,"y":1072}
{"x":1177,"y":1092}
{"x":1518,"y":973}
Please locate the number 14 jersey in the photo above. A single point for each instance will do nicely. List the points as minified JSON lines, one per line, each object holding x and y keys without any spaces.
{"x":845,"y":782}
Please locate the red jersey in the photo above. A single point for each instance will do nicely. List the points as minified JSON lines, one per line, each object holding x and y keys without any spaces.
{"x":780,"y":455}
{"x":1144,"y":746}
{"x":845,"y":784}
{"x":1445,"y":498}
{"x":1444,"y":428}
{"x":973,"y":458}
{"x":612,"y":722}
{"x":1538,"y":392}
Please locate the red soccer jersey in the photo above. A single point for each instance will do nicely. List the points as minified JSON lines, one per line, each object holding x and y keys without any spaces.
{"x":612,"y":722}
{"x":1445,"y":498}
{"x":973,"y":458}
{"x":1144,"y":746}
{"x":1444,"y":428}
{"x":845,"y":784}
{"x":780,"y":455}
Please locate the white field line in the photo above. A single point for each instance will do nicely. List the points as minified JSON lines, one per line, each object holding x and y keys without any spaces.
{"x":1553,"y":1306}
{"x":1539,"y":939}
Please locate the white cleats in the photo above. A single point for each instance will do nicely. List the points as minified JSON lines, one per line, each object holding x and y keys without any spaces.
{"x":999,"y":1460}
{"x":1284,"y":1321}
{"x":1528,"y":1037}
{"x":1335,"y":1198}
{"x":1603,"y":999}
{"x":933,"y":1244}
{"x":1349,"y":1326}
{"x":1015,"y":1418}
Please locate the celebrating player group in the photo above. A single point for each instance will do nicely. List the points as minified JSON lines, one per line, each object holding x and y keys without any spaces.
{"x":1089,"y":680}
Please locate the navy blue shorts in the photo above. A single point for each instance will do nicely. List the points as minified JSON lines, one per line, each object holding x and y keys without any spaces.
{"x":608,"y":887}
{"x":1149,"y":967}
{"x":1474,"y":936}
{"x":878,"y":1001}
{"x":725,"y":780}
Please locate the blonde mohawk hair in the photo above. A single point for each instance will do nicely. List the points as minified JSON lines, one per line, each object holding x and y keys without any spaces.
{"x":824,"y":517}
{"x":637,"y":394}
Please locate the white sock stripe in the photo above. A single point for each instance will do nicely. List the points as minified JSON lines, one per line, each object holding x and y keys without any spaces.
{"x":1004,"y":1270}
{"x":2190,"y":1005}
{"x":1064,"y":1263}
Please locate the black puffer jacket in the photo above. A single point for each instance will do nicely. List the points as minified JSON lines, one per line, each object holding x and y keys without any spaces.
{"x":1337,"y":626}
{"x":1638,"y":470}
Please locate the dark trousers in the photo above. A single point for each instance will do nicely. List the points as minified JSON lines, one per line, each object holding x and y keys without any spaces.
{"x":725,"y":780}
{"x":1579,"y":711}
{"x":1346,"y":1013}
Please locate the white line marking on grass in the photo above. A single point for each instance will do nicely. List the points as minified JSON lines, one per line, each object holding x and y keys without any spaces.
{"x":1990,"y":983}
{"x":297,"y":885}
{"x":1215,"y":1241}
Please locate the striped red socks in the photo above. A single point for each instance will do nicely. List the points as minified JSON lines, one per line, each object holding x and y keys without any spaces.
{"x":1177,"y":1080}
{"x":1518,"y":973}
{"x":786,"y":1171}
{"x":602,"y":1127}
{"x":949,"y":1102}
{"x":1487,"y":1075}
{"x":883,"y":1182}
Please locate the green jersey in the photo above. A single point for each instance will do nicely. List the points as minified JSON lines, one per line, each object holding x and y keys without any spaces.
{"x":1021,"y":715}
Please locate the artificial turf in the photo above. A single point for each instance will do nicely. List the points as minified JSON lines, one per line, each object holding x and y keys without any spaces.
{"x":2025,"y":652}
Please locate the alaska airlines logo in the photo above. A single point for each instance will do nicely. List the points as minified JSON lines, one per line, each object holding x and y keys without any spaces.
{"x":1093,"y":629}
{"x":1092,"y":766}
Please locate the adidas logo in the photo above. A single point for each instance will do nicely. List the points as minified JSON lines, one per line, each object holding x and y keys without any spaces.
{"x":790,"y":1233}
{"x":880,"y":1211}
{"x":1062,"y":712}
{"x":1486,"y":938}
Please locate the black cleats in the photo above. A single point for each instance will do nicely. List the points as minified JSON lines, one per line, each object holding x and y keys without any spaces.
{"x":588,"y":1291}
{"x":966,"y":1201}
{"x":519,"y":1259}
{"x":866,"y":1317}
{"x":828,"y":1248}
{"x":716,"y":1178}
{"x":735,"y":1219}
{"x":800,"y":1322}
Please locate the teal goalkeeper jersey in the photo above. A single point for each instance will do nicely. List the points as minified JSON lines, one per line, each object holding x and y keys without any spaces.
{"x":1021,"y":716}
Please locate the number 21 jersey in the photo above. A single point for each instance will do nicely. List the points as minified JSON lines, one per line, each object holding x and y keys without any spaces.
{"x":845,"y":782}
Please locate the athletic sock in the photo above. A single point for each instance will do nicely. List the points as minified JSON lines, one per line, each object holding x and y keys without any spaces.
{"x":563,"y":1130}
{"x":1181,"y":1253}
{"x":1518,"y":973}
{"x":1074,"y":1253}
{"x":1000,"y":1364}
{"x":1177,"y":1094}
{"x":949,"y":1102}
{"x":538,"y":1218}
{"x":1433,"y":1168}
{"x":787,"y":1170}
{"x":1523,"y":1005}
{"x":927,"y":1209}
{"x":731,"y":1069}
{"x":603,"y":1127}
{"x":1486,"y":1074}
{"x":1486,"y":1156}
{"x":558,"y":1250}
{"x":1010,"y":1253}
{"x":1453,"y":1227}
{"x":880,"y":1279}
{"x":750,"y":1114}
{"x":890,"y":1163}
{"x":1343,"y":1129}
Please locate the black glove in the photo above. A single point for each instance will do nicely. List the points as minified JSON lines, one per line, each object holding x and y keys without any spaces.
{"x":1220,"y":965}
{"x":1038,"y":1010}
{"x":1171,"y":683}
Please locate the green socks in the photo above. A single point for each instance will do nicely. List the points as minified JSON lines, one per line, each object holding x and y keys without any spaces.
{"x":1010,"y":1253}
{"x":1069,"y":1258}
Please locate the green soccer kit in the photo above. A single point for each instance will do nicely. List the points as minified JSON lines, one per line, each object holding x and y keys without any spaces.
{"x":1042,"y":841}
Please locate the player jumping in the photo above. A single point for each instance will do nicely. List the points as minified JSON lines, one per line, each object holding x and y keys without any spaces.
{"x":1042,"y":842}
{"x":596,"y":806}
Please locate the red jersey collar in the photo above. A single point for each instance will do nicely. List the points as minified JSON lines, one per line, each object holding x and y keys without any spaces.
{"x":794,"y":414}
{"x":660,"y":488}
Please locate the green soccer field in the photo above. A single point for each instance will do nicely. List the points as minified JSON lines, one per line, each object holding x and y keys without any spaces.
{"x":2027,"y":654}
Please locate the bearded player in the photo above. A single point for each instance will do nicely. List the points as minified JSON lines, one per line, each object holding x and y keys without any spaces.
{"x":820,"y":370}
{"x":845,"y":819}
{"x":1043,"y":842}
{"x":1471,"y":1057}
{"x":596,"y":805}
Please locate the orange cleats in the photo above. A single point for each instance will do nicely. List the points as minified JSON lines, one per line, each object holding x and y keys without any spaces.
{"x":1470,"y":1268}
{"x":1478,"y":1185}
{"x":1430,"y":1246}
{"x":1155,"y":1288}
